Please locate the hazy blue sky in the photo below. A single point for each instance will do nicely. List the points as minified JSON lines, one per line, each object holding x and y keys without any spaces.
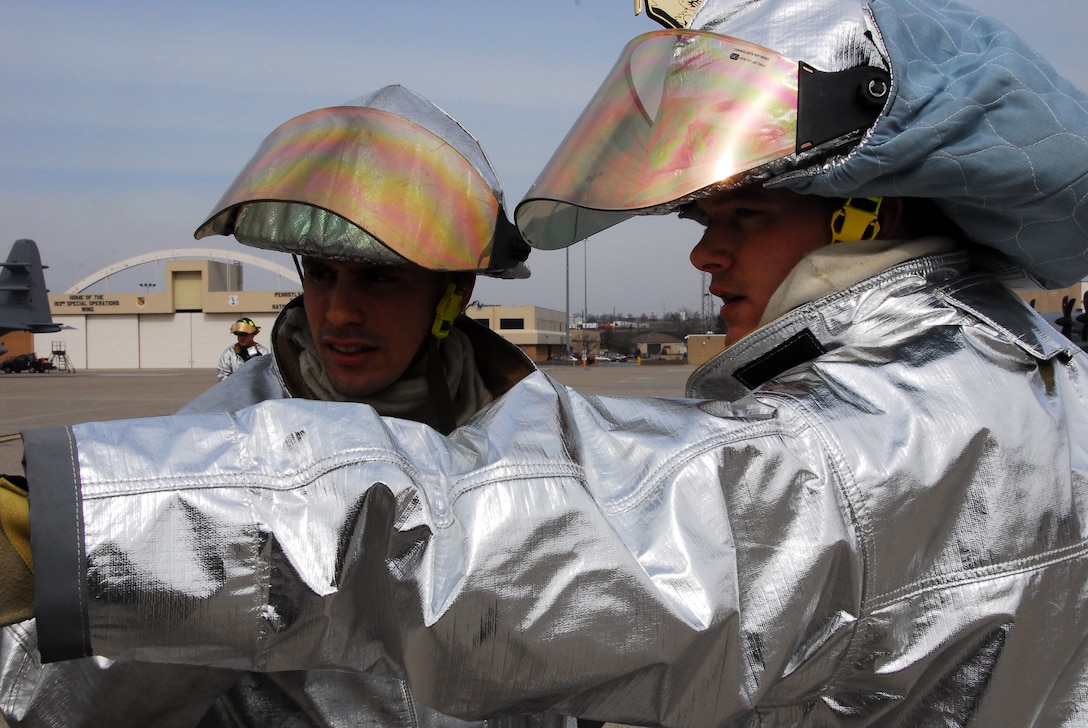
{"x":121,"y":123}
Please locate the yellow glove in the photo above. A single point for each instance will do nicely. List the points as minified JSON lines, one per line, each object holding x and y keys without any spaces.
{"x":16,"y":565}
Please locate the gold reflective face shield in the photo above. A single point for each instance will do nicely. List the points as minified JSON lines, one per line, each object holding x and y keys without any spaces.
{"x":679,"y":111}
{"x":393,"y":179}
{"x":683,"y":110}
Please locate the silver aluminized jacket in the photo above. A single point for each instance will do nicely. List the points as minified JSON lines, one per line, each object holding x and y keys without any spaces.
{"x":97,"y":692}
{"x":886,"y":525}
{"x":231,"y":361}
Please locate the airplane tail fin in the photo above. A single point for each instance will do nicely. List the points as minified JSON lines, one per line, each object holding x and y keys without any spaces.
{"x":24,"y":303}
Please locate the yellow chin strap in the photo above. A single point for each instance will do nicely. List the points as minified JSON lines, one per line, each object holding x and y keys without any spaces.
{"x":857,"y":219}
{"x":447,"y":310}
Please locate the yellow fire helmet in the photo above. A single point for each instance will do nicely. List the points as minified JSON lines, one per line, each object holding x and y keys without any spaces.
{"x":245,"y":326}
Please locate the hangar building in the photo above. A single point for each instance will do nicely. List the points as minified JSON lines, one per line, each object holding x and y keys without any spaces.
{"x":184,"y":322}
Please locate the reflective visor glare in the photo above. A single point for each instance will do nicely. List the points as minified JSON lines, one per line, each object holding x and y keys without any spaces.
{"x":392,"y":178}
{"x":681,"y":110}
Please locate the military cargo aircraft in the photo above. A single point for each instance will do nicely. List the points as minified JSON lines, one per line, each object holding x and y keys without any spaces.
{"x":24,"y":305}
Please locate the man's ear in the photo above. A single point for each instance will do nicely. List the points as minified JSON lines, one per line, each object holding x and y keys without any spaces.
{"x":891,"y":217}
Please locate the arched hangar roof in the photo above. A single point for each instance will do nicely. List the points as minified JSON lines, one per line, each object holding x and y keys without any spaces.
{"x":176,"y":253}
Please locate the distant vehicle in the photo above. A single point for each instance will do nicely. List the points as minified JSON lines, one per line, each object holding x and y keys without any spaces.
{"x":611,"y":356}
{"x":25,"y":362}
{"x":24,"y":303}
{"x":564,"y":357}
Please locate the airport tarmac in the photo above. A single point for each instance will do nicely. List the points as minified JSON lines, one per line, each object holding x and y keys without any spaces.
{"x":57,"y":398}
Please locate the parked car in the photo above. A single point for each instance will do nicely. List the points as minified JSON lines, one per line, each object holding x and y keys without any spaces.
{"x":25,"y":362}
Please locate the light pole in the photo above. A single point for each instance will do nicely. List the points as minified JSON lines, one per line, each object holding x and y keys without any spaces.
{"x":585,"y":298}
{"x":566,"y":324}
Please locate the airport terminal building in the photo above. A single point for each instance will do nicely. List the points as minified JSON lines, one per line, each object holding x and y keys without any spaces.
{"x":185,"y":321}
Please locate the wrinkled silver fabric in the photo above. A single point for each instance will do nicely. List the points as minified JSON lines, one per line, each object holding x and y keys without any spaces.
{"x":831,"y":35}
{"x":96,"y":692}
{"x":892,"y":533}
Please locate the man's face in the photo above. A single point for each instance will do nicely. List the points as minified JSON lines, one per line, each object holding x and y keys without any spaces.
{"x":245,"y":340}
{"x":754,"y":237}
{"x":368,"y":322}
